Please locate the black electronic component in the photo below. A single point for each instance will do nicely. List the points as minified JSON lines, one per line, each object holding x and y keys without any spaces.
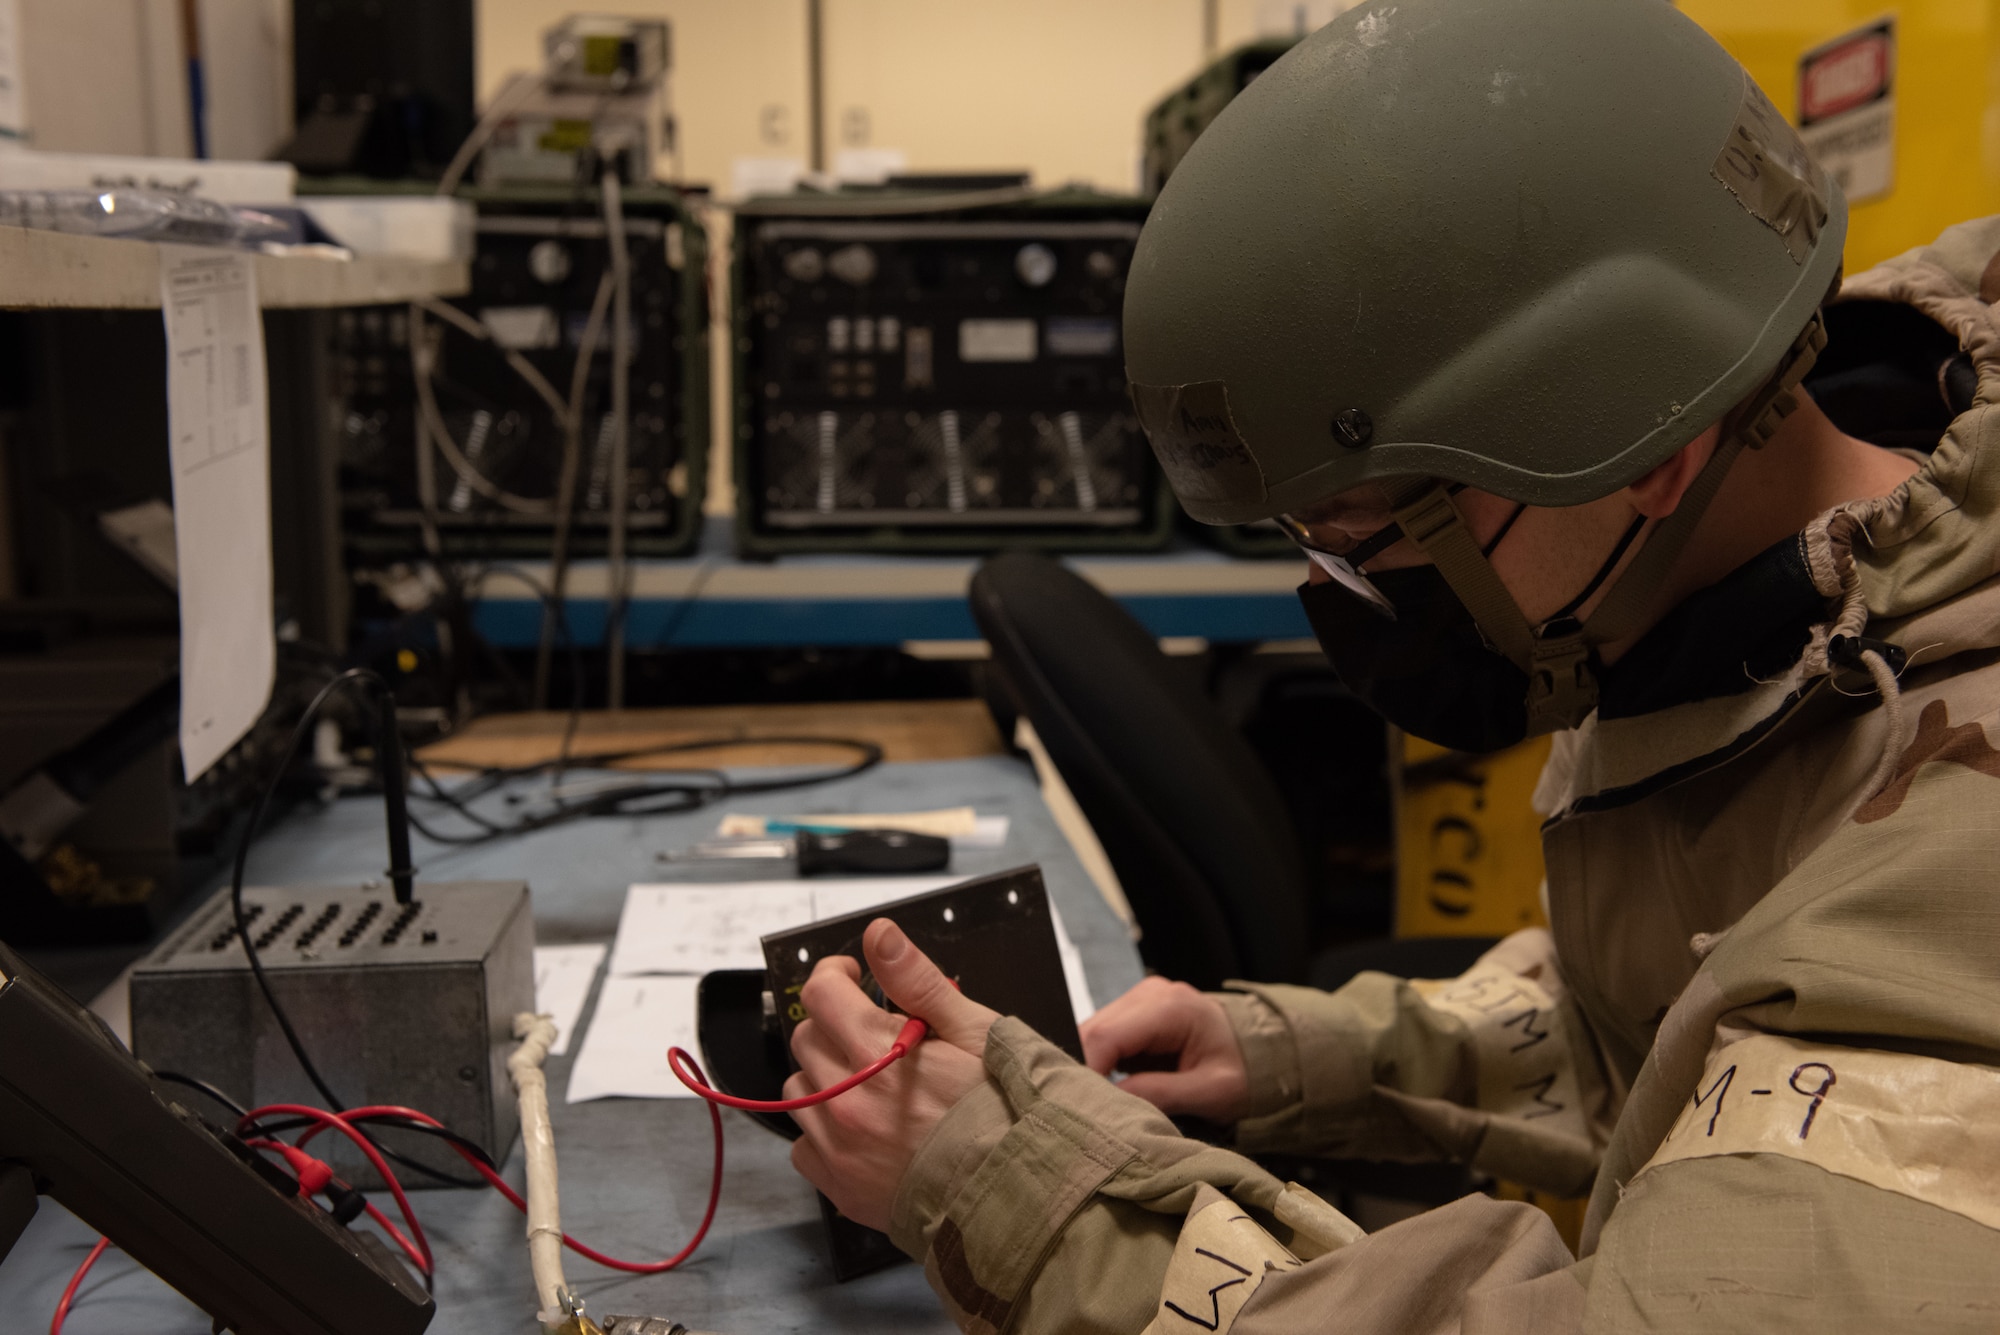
{"x":831,"y":852}
{"x":540,"y":258}
{"x":994,"y":936}
{"x":380,"y":89}
{"x":409,"y":1004}
{"x":871,"y":852}
{"x":1178,"y":119}
{"x":85,"y":1123}
{"x":914,"y":376}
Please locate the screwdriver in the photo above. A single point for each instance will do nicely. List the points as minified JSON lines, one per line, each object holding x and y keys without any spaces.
{"x":817,"y":853}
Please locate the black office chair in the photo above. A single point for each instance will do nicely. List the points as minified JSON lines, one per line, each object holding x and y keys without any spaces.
{"x":1187,"y":814}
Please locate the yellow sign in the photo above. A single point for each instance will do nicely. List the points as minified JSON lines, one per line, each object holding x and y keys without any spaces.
{"x":1468,"y":846}
{"x":1905,"y":112}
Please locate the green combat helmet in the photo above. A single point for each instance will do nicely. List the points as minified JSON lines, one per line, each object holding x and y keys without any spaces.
{"x":1530,"y":246}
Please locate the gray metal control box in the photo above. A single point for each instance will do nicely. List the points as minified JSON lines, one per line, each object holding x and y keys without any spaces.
{"x":396,"y":1004}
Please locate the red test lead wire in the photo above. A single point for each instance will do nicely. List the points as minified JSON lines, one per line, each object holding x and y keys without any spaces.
{"x":689,"y":1073}
{"x":418,"y":1245}
{"x":499,"y":1184}
{"x":75,"y":1283}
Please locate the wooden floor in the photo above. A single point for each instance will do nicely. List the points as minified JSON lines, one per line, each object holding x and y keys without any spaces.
{"x":904,"y":729}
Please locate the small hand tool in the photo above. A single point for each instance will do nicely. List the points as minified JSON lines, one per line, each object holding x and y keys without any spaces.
{"x":852,"y":852}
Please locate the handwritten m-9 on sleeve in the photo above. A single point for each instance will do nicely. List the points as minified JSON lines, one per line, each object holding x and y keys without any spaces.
{"x":1914,"y":1125}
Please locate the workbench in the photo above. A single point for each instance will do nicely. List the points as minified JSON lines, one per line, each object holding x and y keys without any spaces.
{"x":634,"y":1172}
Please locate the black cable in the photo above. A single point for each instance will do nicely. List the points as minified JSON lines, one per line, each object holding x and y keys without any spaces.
{"x":559,"y":538}
{"x":642,"y":797}
{"x":404,"y":1124}
{"x":389,"y":750}
{"x":393,"y":1122}
{"x":176,"y":1078}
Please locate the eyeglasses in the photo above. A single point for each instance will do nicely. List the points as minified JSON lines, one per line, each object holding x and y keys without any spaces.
{"x":1335,"y":551}
{"x":1344,"y":566}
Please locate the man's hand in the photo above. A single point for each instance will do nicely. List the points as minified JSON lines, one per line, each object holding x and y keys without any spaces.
{"x":858,"y":1145}
{"x":1159,"y":1019}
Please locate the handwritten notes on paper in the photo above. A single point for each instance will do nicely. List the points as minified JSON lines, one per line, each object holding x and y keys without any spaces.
{"x":219,"y":443}
{"x":625,"y":1052}
{"x":676,"y":928}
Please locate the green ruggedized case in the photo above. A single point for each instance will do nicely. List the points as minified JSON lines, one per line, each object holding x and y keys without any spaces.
{"x":938,"y":371}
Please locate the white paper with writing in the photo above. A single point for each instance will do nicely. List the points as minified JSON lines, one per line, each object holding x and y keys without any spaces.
{"x":693,"y":928}
{"x":562,"y":981}
{"x":624,"y":1052}
{"x":219,"y":442}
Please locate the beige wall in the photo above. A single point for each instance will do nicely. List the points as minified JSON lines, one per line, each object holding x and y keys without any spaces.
{"x":1056,"y":86}
{"x":246,"y":48}
{"x":105,"y":76}
{"x":739,"y":77}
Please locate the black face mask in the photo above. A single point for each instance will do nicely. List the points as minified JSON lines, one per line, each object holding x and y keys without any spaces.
{"x":1429,"y":671}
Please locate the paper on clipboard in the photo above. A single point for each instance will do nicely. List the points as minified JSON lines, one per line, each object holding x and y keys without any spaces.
{"x":219,"y":442}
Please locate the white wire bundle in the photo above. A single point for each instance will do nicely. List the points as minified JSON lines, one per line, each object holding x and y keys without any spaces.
{"x":538,"y":1145}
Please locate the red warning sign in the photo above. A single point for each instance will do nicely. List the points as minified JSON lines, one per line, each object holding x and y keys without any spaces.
{"x":1847,"y":108}
{"x":1850,"y":73}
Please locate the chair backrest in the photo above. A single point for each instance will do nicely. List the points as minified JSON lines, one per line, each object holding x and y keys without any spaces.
{"x":1189,"y":817}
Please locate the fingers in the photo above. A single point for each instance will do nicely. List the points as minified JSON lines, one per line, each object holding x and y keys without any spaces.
{"x":913,"y":982}
{"x":833,"y":998}
{"x":1155,"y":1017}
{"x":823,"y":1059}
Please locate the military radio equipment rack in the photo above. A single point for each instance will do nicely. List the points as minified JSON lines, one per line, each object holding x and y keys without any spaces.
{"x":541,"y":254}
{"x":938,"y":372}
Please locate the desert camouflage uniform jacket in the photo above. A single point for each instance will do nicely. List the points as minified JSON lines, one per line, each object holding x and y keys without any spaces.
{"x":1765,"y":1022}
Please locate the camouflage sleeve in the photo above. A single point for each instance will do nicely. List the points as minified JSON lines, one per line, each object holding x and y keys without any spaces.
{"x":1495,"y":1068}
{"x":1048,"y":1201}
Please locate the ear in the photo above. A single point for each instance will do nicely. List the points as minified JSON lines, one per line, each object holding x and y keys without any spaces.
{"x":1658,"y":494}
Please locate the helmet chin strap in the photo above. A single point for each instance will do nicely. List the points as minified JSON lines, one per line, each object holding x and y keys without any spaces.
{"x":1560,"y":658}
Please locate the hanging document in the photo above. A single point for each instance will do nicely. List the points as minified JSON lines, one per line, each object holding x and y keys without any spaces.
{"x":219,"y":432}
